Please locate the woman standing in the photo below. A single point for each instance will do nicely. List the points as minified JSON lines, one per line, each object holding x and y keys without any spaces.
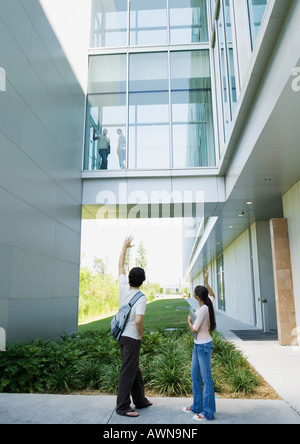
{"x":203,"y":387}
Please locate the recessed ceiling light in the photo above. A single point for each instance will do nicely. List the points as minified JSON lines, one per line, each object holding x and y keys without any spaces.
{"x":249,"y":203}
{"x":230,"y":226}
{"x":268,"y":180}
{"x":242,"y":214}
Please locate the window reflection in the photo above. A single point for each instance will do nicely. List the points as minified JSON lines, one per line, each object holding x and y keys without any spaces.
{"x":256,"y":12}
{"x":188,"y":21}
{"x":148,"y":22}
{"x":106,"y":113}
{"x":131,"y":122}
{"x":109,"y":23}
{"x":106,"y":119}
{"x":149,"y":111}
{"x":107,"y":74}
{"x":192,"y":117}
{"x":230,"y":55}
{"x":224,"y":77}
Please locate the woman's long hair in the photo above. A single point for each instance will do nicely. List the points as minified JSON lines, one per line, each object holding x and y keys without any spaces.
{"x":202,"y":294}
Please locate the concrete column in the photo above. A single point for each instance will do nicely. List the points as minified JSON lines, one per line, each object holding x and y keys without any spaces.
{"x":283,"y":280}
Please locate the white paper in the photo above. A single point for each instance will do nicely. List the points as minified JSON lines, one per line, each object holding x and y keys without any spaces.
{"x":194,"y":306}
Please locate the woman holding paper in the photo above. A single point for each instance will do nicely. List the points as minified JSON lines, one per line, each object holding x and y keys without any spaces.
{"x":204,"y":399}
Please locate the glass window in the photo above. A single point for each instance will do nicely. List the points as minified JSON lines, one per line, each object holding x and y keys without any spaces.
{"x":149,"y":111}
{"x":256,"y":12}
{"x":129,"y":124}
{"x":107,"y":74}
{"x":188,"y":21}
{"x":224,"y":72}
{"x":148,"y":22}
{"x":192,"y":116}
{"x":230,"y":55}
{"x":106,"y":113}
{"x":106,"y":121}
{"x":109,"y":23}
{"x":148,"y":72}
{"x":221,"y":284}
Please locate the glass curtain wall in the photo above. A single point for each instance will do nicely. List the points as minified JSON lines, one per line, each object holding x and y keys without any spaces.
{"x":148,"y":22}
{"x":256,"y":13}
{"x":109,"y":23}
{"x":149,"y":141}
{"x":192,"y":116}
{"x":153,"y":122}
{"x":155,"y":22}
{"x":188,"y":21}
{"x":150,"y":107}
{"x":226,"y":63}
{"x":106,"y":113}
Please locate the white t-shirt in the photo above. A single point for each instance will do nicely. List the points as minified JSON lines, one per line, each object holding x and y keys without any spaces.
{"x":139,"y":308}
{"x":202,"y":325}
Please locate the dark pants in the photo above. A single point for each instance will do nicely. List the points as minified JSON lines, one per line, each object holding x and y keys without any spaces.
{"x":104,"y":158}
{"x":130,"y":380}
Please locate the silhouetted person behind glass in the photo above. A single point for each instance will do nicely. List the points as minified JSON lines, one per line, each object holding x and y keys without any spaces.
{"x":104,"y":148}
{"x":121,"y":150}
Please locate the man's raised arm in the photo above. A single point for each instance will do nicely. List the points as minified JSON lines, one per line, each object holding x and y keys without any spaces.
{"x":126,"y":245}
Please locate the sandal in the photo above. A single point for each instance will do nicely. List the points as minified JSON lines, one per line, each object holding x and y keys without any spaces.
{"x":131,"y":414}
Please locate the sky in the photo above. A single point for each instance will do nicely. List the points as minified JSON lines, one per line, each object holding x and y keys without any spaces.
{"x":162,"y":239}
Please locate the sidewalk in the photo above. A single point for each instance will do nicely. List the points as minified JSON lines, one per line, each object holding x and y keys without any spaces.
{"x":60,"y":409}
{"x":279,"y":366}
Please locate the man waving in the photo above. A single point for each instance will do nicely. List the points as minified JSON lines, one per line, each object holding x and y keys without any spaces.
{"x":130,"y":380}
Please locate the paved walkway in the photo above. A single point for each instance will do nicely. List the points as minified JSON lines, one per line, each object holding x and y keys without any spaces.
{"x":280,"y":367}
{"x":59,"y":409}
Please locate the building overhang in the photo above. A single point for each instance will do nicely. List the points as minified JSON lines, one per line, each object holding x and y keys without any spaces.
{"x":152,"y":195}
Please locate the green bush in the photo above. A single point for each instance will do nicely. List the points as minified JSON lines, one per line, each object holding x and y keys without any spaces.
{"x":99,"y":294}
{"x":91,"y":361}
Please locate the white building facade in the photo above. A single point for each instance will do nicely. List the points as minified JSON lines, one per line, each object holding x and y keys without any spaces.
{"x":200,"y":101}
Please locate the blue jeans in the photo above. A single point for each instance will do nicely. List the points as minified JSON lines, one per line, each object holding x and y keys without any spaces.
{"x":203,"y":386}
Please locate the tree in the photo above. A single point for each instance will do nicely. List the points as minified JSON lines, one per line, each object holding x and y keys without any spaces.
{"x":100,"y":266}
{"x":141,"y":260}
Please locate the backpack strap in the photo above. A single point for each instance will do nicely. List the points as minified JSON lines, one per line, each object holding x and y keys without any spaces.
{"x":135,"y":298}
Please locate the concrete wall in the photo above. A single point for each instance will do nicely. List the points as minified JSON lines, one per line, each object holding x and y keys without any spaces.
{"x":291,"y":205}
{"x":41,"y":137}
{"x":238,"y":280}
{"x":248,"y":277}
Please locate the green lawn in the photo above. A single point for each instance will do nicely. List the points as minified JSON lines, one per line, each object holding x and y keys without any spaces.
{"x":161,"y":314}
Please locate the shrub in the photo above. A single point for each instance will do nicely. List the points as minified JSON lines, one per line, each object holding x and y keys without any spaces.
{"x":170,"y":369}
{"x":91,"y":360}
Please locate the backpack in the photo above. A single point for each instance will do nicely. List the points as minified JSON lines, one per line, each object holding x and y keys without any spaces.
{"x":119,"y":320}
